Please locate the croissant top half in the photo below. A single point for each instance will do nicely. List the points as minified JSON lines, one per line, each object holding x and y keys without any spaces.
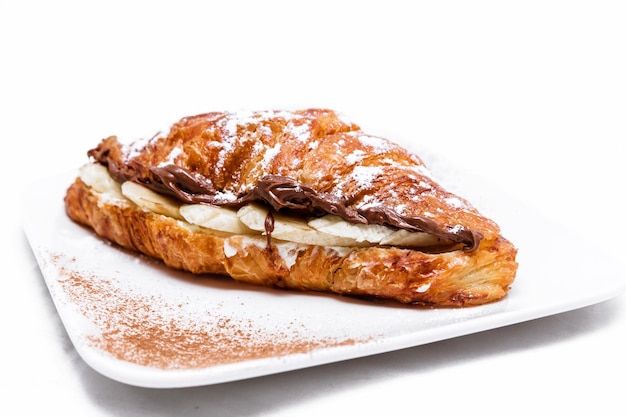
{"x":308,"y":162}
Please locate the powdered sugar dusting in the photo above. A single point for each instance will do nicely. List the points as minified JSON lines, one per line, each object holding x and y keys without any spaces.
{"x":225,"y":196}
{"x":355,"y":157}
{"x":229,"y":127}
{"x":365,"y":175}
{"x":401,"y":208}
{"x":171,"y":158}
{"x":425,"y":185}
{"x":421,"y":170}
{"x":269,"y":155}
{"x":456,"y":229}
{"x":369,"y":202}
{"x":301,"y":132}
{"x":456,"y":202}
{"x":378,"y":145}
{"x":231,"y":122}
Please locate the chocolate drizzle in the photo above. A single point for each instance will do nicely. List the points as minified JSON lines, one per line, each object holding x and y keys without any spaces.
{"x":282,"y":194}
{"x":269,"y":228}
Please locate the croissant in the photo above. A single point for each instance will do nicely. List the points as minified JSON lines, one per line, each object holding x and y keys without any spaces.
{"x":301,"y":200}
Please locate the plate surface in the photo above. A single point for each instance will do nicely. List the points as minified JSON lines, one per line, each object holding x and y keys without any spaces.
{"x":138,"y":322}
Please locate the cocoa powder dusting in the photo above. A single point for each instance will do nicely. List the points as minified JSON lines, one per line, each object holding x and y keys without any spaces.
{"x":146,"y":330}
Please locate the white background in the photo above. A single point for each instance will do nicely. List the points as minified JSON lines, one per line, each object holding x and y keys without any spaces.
{"x":530,"y":95}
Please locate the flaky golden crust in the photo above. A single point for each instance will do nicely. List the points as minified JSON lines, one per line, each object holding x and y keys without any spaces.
{"x":456,"y":278}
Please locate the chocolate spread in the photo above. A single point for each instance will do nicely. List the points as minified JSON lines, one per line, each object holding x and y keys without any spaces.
{"x":281,"y":193}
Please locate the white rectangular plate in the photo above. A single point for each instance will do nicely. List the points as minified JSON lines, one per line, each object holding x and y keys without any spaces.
{"x":138,"y":322}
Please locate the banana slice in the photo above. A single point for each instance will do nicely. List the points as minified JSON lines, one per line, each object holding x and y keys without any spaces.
{"x":410,"y":239}
{"x":150,"y":200}
{"x":215,"y":218}
{"x":97,"y":177}
{"x":290,"y":229}
{"x":336,"y":226}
